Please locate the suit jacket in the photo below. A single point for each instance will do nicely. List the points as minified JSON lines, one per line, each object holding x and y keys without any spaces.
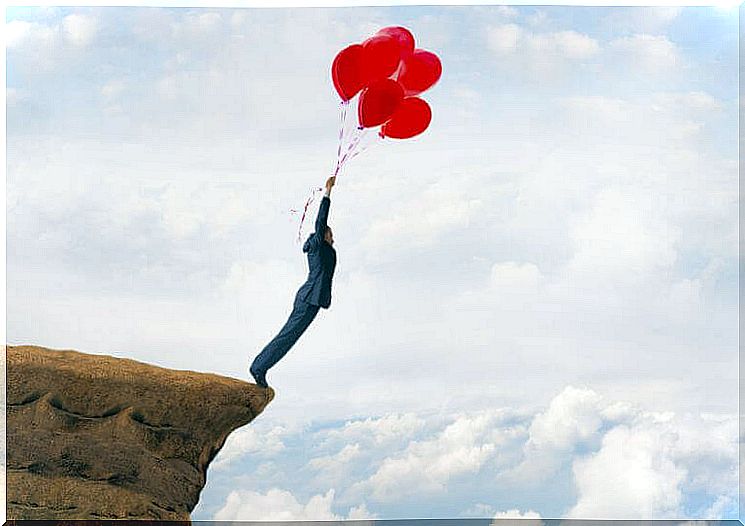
{"x":321,"y":262}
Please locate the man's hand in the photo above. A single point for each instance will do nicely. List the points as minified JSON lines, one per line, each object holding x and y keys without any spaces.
{"x":329,"y":183}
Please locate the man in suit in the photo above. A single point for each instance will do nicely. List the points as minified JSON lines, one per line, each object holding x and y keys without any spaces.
{"x":310,"y":297}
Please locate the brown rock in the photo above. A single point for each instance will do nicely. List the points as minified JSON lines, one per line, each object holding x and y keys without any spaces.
{"x":96,"y":437}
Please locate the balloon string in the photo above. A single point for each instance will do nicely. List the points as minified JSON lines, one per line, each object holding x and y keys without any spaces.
{"x":356,"y":151}
{"x":351,"y":151}
{"x":305,"y":210}
{"x":355,"y":154}
{"x":350,"y":147}
{"x":343,"y":112}
{"x":358,"y":133}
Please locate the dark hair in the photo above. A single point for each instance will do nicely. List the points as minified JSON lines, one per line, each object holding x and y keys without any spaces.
{"x":328,"y":229}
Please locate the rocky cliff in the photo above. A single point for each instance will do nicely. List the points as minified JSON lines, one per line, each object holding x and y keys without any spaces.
{"x":96,"y":437}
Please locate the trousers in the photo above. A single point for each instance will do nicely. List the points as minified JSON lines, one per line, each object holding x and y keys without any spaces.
{"x":300,"y":318}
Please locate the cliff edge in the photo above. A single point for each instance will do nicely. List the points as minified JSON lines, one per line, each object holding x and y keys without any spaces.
{"x":97,"y":437}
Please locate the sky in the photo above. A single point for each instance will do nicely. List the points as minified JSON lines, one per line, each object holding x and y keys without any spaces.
{"x":534,"y":309}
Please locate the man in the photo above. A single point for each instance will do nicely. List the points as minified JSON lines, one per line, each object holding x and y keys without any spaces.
{"x":314,"y":293}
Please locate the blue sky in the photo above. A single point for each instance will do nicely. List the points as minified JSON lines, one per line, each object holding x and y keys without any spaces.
{"x":535,"y":306}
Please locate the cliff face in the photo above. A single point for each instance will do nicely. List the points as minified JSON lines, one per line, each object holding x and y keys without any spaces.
{"x":97,"y":437}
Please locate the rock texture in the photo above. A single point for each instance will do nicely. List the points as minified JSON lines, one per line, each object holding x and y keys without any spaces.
{"x":96,"y":437}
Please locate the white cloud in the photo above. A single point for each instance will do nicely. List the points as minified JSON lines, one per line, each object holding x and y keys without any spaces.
{"x":49,"y":47}
{"x":521,"y":51}
{"x":20,"y":33}
{"x":427,"y":466}
{"x":275,"y":281}
{"x":361,"y":512}
{"x":665,"y":119}
{"x":168,"y":86}
{"x":642,"y":19}
{"x":516,"y":514}
{"x":706,"y":445}
{"x":13,"y":96}
{"x":504,"y":38}
{"x":16,"y":31}
{"x":694,"y":101}
{"x":631,"y":477}
{"x":332,"y":467}
{"x":571,"y":418}
{"x":567,"y":44}
{"x":381,"y":431}
{"x":249,"y":278}
{"x":221,"y":76}
{"x":538,"y":19}
{"x":507,"y":11}
{"x":281,"y":505}
{"x":606,"y":109}
{"x":641,"y":463}
{"x":654,"y":54}
{"x":468,"y":103}
{"x":238,"y":18}
{"x":516,"y":278}
{"x":113,"y":88}
{"x":250,"y":441}
{"x":526,"y":52}
{"x":197,"y":25}
{"x":621,"y":237}
{"x":186,"y":208}
{"x":625,"y":462}
{"x":79,"y":29}
{"x":424,"y":218}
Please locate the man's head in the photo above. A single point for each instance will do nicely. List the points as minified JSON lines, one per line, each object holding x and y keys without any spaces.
{"x":329,"y":236}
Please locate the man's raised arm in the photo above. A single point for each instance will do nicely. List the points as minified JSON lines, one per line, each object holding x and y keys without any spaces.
{"x":323,"y":210}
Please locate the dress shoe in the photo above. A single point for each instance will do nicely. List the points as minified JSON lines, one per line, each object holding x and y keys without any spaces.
{"x":259,"y":377}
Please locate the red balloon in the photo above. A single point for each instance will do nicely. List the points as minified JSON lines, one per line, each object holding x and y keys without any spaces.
{"x":419,"y":71}
{"x":347,"y":73}
{"x":379,"y":101}
{"x":403,"y":36}
{"x":411,"y":118}
{"x":380,"y":59}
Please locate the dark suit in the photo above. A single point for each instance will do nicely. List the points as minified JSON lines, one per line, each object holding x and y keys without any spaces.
{"x":321,"y":262}
{"x":310,"y":297}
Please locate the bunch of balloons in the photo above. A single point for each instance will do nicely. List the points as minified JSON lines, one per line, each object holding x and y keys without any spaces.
{"x":388,"y":72}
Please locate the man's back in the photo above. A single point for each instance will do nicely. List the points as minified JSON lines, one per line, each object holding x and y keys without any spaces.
{"x":321,"y":262}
